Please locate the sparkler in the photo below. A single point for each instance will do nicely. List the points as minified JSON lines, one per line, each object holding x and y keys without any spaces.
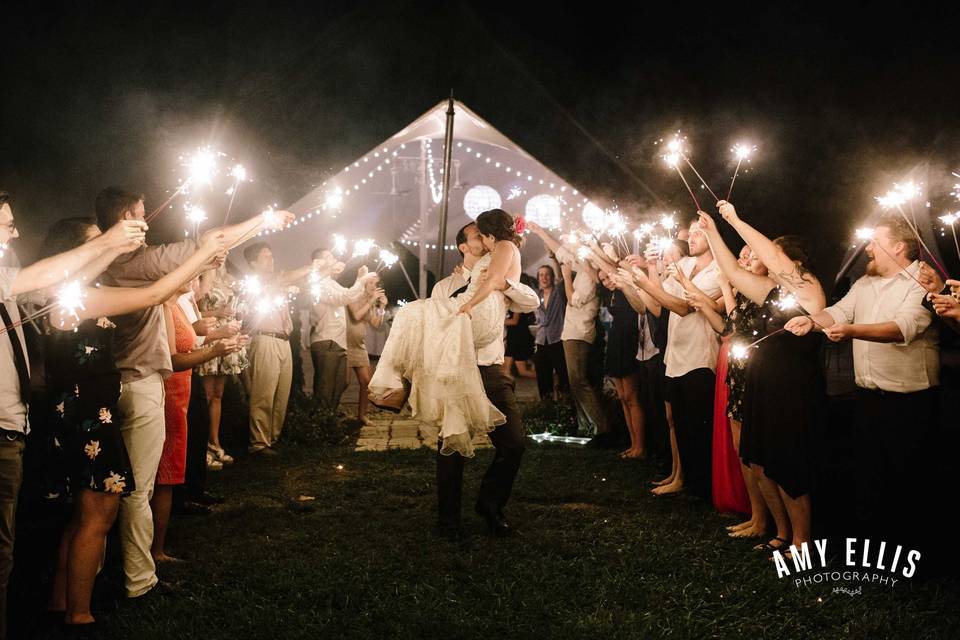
{"x":69,"y":299}
{"x":201,"y":167}
{"x":668,"y":222}
{"x":333,"y":199}
{"x":673,"y":160}
{"x":362,"y":247}
{"x":339,"y":244}
{"x":951,"y":219}
{"x":387,"y":259}
{"x":742,"y":152}
{"x":195,"y":216}
{"x":239,"y":174}
{"x":739,"y":351}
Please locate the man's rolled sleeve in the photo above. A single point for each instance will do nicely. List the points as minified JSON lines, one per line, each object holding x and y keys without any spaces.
{"x":843,"y":311}
{"x":912,"y":318}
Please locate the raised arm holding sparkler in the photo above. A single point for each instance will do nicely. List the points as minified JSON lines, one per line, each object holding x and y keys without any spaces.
{"x":784,"y":271}
{"x":96,"y":301}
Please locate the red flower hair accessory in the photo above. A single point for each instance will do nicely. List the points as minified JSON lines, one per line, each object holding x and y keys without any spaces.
{"x":519,"y":225}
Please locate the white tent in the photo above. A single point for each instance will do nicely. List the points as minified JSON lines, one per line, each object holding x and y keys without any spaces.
{"x":393,"y":193}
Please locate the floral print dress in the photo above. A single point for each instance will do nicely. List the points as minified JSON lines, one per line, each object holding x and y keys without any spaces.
{"x":219,"y":297}
{"x":742,"y":325}
{"x":83,"y":384}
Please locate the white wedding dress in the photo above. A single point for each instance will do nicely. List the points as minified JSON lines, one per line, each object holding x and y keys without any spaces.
{"x":435,"y":348}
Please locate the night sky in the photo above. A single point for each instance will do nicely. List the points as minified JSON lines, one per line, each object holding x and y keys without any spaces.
{"x":840,"y":106}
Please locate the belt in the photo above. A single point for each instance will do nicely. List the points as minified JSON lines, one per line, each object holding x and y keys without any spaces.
{"x":271,"y":334}
{"x":11,"y":435}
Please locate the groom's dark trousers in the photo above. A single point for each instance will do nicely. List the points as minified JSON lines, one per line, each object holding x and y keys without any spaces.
{"x":508,"y":439}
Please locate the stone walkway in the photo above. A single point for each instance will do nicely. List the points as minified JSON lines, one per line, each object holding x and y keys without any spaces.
{"x":400,"y":431}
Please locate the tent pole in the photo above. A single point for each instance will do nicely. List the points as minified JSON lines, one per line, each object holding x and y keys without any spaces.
{"x":447,"y":154}
{"x":424,"y":213}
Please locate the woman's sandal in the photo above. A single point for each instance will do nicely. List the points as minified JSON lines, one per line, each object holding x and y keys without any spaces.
{"x":766,"y":546}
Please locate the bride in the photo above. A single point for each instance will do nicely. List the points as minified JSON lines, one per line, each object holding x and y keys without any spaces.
{"x":431,"y":352}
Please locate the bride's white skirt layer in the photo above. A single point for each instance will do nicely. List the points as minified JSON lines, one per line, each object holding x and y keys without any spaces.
{"x":435,"y":348}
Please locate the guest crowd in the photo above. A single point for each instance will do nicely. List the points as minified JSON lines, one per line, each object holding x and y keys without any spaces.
{"x":722,"y":349}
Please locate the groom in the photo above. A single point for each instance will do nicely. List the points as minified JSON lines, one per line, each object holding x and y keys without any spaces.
{"x":508,"y":438}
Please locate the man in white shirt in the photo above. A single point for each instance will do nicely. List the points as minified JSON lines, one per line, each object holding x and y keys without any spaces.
{"x":691,"y":362}
{"x":897,"y":369}
{"x":508,"y":438}
{"x":579,"y":332}
{"x":327,"y":336}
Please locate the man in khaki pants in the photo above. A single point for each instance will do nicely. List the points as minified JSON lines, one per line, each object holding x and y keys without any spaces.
{"x":270,"y":374}
{"x":143,"y":357}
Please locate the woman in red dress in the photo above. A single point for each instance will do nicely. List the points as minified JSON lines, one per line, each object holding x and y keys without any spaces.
{"x":173,"y":460}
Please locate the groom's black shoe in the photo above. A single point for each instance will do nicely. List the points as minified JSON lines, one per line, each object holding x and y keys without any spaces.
{"x":450,"y":532}
{"x":495,"y":520}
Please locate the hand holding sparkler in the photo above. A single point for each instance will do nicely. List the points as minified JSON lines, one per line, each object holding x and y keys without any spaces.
{"x":837,"y":332}
{"x":946,"y":306}
{"x":728,"y":212}
{"x":227,"y":346}
{"x":929,"y":279}
{"x":802,"y":325}
{"x":126,"y":235}
{"x":954,"y":287}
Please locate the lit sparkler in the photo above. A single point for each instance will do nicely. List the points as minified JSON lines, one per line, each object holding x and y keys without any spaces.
{"x":739,"y":351}
{"x":362,"y":247}
{"x":741,"y":152}
{"x":387,"y":259}
{"x":951,"y":219}
{"x":339,"y":244}
{"x":70,"y":298}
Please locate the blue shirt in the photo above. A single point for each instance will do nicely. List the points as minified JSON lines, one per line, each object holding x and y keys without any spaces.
{"x":550,"y":317}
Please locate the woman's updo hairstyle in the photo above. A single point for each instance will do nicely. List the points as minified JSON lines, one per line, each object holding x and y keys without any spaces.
{"x":499,"y":224}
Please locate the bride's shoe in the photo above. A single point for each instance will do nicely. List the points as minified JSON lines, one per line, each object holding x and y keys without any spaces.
{"x":393,"y":400}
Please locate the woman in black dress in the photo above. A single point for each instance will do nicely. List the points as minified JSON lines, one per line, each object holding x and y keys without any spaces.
{"x":83,"y":385}
{"x":784,"y":389}
{"x":519,"y":345}
{"x":621,"y":366}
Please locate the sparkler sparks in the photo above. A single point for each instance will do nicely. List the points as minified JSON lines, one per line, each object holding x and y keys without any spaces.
{"x":70,"y":298}
{"x":668,"y":222}
{"x":195,"y":215}
{"x":788,"y":302}
{"x":664,"y":245}
{"x":362,"y":247}
{"x":201,"y":166}
{"x":238,"y":173}
{"x":333,"y":199}
{"x":388,"y":258}
{"x":864,"y":234}
{"x":739,"y":351}
{"x":583,"y":253}
{"x":339,"y":244}
{"x":252,"y":286}
{"x":742,"y":151}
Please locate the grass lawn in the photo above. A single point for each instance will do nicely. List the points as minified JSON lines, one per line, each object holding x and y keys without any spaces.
{"x":599,"y":557}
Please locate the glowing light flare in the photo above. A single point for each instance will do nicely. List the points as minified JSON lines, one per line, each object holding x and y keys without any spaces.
{"x":664,"y":245}
{"x":788,"y":302}
{"x":742,"y":151}
{"x":238,"y":173}
{"x":739,"y":351}
{"x":672,"y":159}
{"x":339,"y":244}
{"x":898,"y":195}
{"x":864,"y":234}
{"x":583,"y":253}
{"x":950,"y":218}
{"x":196,"y":215}
{"x":201,"y":166}
{"x":388,"y":258}
{"x":251,"y":286}
{"x":668,"y":222}
{"x":614,"y":224}
{"x":362,"y":247}
{"x":70,"y":298}
{"x":333,"y":199}
{"x":593,"y":216}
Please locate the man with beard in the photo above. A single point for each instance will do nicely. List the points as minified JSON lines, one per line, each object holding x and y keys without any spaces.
{"x":508,"y":438}
{"x":897,"y":369}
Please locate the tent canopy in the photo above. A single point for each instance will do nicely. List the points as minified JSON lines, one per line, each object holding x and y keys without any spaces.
{"x":392,"y":194}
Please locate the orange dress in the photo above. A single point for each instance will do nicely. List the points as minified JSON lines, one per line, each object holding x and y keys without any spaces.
{"x":173,"y":460}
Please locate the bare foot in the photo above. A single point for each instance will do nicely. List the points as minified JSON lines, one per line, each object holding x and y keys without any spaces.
{"x":748,"y":532}
{"x":165,"y":558}
{"x":674,"y":487}
{"x":742,"y":525}
{"x":659,"y":483}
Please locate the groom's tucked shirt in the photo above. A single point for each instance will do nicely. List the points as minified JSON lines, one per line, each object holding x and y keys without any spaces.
{"x":520,"y":298}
